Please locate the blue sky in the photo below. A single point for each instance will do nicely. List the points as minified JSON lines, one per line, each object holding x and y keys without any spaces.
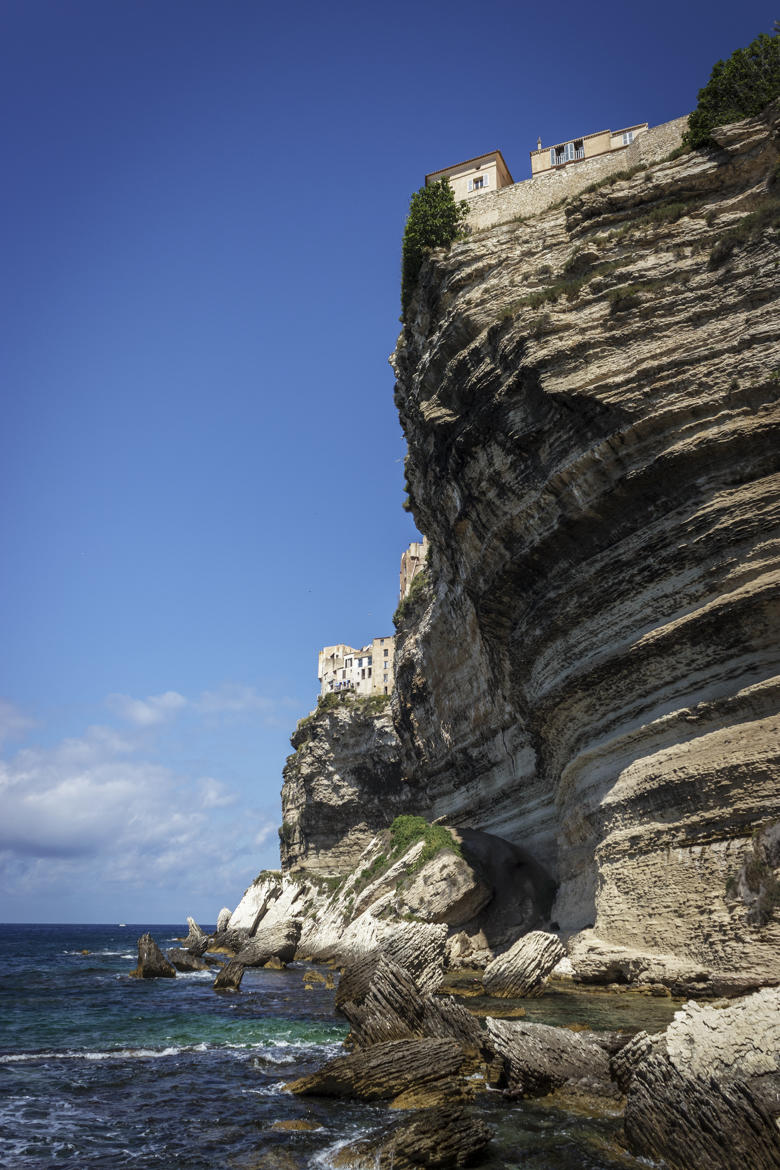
{"x":201,"y":465}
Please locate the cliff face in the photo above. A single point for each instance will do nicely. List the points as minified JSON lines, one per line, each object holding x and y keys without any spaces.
{"x":590,"y":400}
{"x":342,"y":785}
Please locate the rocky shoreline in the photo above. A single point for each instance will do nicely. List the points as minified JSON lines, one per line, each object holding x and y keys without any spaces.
{"x":703,"y":1093}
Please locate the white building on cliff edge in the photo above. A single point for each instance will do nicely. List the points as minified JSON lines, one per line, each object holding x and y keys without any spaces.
{"x":367,"y":671}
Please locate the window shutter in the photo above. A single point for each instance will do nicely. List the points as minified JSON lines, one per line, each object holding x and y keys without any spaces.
{"x":486,"y":177}
{"x":471,"y":185}
{"x":552,"y":157}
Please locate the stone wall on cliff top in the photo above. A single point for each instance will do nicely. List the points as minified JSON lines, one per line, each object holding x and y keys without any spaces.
{"x":593,"y":673}
{"x":342,"y":784}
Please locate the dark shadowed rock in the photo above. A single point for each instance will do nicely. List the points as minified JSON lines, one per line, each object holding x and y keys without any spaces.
{"x":538,"y":1059}
{"x":383,"y":1071}
{"x":271,"y":942}
{"x":697,"y":1124}
{"x":185,"y":961}
{"x":523,"y":968}
{"x":229,"y":978}
{"x":626,"y":1061}
{"x":442,"y":1137}
{"x":152,"y":963}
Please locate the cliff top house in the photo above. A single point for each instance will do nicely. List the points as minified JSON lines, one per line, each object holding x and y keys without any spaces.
{"x":547,"y":158}
{"x":475,"y":176}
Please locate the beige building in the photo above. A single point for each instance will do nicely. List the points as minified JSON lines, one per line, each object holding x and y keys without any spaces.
{"x":367,"y":671}
{"x":412,"y":561}
{"x":548,"y":158}
{"x":476,"y":176}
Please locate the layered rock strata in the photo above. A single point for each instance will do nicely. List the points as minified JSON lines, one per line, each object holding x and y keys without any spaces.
{"x":590,"y":401}
{"x":343,"y":784}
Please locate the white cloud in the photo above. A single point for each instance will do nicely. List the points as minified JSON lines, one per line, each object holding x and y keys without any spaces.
{"x":147,"y":712}
{"x":13,"y":722}
{"x":214,"y":794}
{"x":233,"y":698}
{"x":269,"y":829}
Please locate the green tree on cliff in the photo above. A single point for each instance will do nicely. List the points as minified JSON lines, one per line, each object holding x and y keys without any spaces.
{"x":738,"y":88}
{"x":434,"y":221}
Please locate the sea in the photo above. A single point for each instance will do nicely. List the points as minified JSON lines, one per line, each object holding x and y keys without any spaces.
{"x":101,"y":1070}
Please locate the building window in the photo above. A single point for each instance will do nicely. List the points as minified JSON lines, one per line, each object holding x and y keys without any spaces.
{"x":479,"y":183}
{"x":385,"y":690}
{"x":369,"y":672}
{"x":386,"y":653}
{"x":628,"y":137}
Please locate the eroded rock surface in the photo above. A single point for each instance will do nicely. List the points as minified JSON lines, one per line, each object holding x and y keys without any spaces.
{"x":342,"y":784}
{"x":383,"y":1070}
{"x":442,"y":1137}
{"x":152,"y":963}
{"x":538,"y":1058}
{"x":591,"y":406}
{"x":523,"y":968}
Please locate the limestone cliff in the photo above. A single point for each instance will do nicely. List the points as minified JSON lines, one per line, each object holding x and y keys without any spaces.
{"x":590,"y":401}
{"x":342,"y":784}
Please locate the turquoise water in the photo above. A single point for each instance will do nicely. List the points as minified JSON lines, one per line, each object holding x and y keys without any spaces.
{"x":100,"y":1070}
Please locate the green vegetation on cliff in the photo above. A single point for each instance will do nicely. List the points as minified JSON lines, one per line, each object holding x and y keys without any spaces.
{"x":738,"y":88}
{"x":435,"y":220}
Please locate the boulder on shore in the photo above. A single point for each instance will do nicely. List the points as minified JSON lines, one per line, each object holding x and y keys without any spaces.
{"x":152,"y":963}
{"x":538,"y":1058}
{"x":708,"y":1096}
{"x":523,"y":968}
{"x":446,"y":889}
{"x":223,"y":919}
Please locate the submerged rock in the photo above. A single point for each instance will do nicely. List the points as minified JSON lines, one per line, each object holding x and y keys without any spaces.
{"x":185,"y":961}
{"x":443,"y":1137}
{"x":525,"y":966}
{"x":229,"y":978}
{"x":152,"y":963}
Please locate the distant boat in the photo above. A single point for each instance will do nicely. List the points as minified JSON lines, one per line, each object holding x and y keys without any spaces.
{"x":123,"y":924}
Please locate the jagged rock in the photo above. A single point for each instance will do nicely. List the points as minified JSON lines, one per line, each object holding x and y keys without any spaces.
{"x":278,"y":941}
{"x":197,"y":941}
{"x":223,"y":919}
{"x":626,"y":1061}
{"x":524,"y":967}
{"x":229,"y":978}
{"x":538,"y":1058}
{"x":185,"y":961}
{"x":152,"y":963}
{"x":388,"y":1006}
{"x":262,"y":893}
{"x":442,"y":1137}
{"x":419,"y":948}
{"x":709,"y":1097}
{"x":446,"y":889}
{"x":591,"y":670}
{"x":740,"y":1040}
{"x":383,"y":1071}
{"x":697,"y":1124}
